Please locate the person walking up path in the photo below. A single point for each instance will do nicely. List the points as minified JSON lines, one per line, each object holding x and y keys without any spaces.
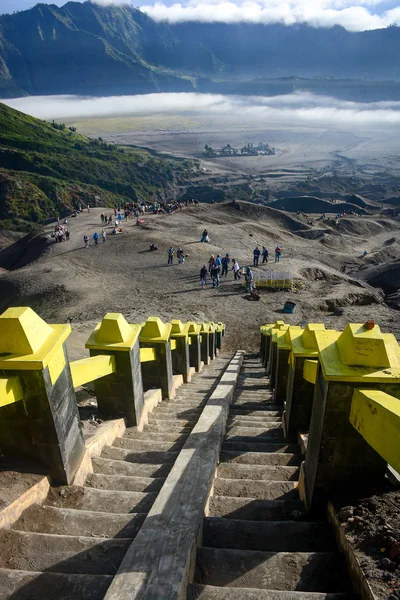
{"x":236,"y":270}
{"x":96,"y":237}
{"x":86,"y":241}
{"x":225,"y":264}
{"x":278,"y":252}
{"x":170,"y":255}
{"x":256,"y":256}
{"x":264,"y":255}
{"x":249,"y":280}
{"x":203,"y":276}
{"x":103,"y":235}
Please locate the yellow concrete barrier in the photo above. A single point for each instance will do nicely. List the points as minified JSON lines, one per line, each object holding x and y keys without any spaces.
{"x":90,"y":369}
{"x":147,"y":355}
{"x":10,"y":391}
{"x":376,"y":416}
{"x":310,"y":370}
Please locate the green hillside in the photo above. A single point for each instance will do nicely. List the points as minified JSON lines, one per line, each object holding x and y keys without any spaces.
{"x":45,"y":171}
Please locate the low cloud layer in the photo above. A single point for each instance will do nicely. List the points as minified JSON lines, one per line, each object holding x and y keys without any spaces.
{"x":354,"y":16}
{"x":299,"y":109}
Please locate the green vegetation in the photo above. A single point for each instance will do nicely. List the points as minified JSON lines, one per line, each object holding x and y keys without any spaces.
{"x":46,"y":169}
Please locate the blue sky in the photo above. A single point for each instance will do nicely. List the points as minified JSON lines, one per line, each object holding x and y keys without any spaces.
{"x":355,"y":15}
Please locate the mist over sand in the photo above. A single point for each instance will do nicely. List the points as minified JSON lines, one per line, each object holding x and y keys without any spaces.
{"x":296,"y":109}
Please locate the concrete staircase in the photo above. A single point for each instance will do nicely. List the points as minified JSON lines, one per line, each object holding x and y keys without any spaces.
{"x":72,"y":546}
{"x":257,"y":543}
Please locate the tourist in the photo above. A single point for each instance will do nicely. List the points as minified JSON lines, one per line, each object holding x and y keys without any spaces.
{"x":211,"y":262}
{"x":215,"y":275}
{"x":249,"y":278}
{"x":218,"y":262}
{"x":170,"y":255}
{"x":86,"y":241}
{"x":256,"y":256}
{"x":96,"y":237}
{"x":264,"y":254}
{"x":225,"y":264}
{"x":278,"y":252}
{"x":102,"y":218}
{"x":203,"y":276}
{"x":180,"y":255}
{"x":204,"y":236}
{"x":67,"y":235}
{"x":103,"y":235}
{"x":236,"y":270}
{"x":88,"y":208}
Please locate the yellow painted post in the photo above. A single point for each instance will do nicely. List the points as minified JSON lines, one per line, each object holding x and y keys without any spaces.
{"x":156,"y":334}
{"x":219,"y":334}
{"x":267,"y":332}
{"x":194,"y":348}
{"x":180,"y":357}
{"x":376,"y":416}
{"x":120,"y":394}
{"x":284,"y":346}
{"x":212,"y":349}
{"x":273,"y":353}
{"x":45,"y":424}
{"x":205,"y":342}
{"x":310,"y":371}
{"x":360,"y":356}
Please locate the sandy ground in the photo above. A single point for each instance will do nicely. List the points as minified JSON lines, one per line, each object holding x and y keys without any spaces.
{"x":69,"y":283}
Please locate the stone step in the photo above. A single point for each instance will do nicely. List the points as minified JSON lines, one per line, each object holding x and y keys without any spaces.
{"x":121,"y":467}
{"x":85,"y":498}
{"x":263,"y":490}
{"x":170,"y":424}
{"x":273,"y":446}
{"x":258,"y":472}
{"x":252,"y":421}
{"x":189,"y":404}
{"x":249,"y":405}
{"x":142,"y":446}
{"x":261,"y":458}
{"x":176,"y":411}
{"x":197,"y":591}
{"x":61,"y":553}
{"x":154,"y":458}
{"x":34,"y":585}
{"x":255,"y":432}
{"x":271,"y":536}
{"x":267,"y":412}
{"x":124,"y":483}
{"x":300,"y":571}
{"x":69,"y":521}
{"x":148,"y":435}
{"x":255,"y":510}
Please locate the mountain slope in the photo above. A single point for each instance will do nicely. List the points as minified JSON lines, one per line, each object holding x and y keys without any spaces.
{"x":84,"y":48}
{"x":45,"y":171}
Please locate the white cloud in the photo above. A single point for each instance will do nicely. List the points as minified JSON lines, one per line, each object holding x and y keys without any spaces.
{"x":354,"y":16}
{"x":298,"y":109}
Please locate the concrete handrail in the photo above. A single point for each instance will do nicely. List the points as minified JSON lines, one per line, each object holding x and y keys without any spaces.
{"x":376,"y":416}
{"x":92,"y":368}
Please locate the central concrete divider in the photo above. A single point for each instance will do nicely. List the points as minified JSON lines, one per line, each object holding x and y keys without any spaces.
{"x":159,"y":562}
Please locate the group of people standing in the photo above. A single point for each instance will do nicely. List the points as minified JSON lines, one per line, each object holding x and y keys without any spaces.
{"x":180,"y":254}
{"x":218,"y":267}
{"x":264,"y":253}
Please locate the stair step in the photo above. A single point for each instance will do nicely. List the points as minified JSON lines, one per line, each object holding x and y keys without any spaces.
{"x":260,"y":458}
{"x":69,"y":521}
{"x":275,"y":446}
{"x":300,"y":571}
{"x":253,"y":509}
{"x":148,"y":436}
{"x":267,"y":412}
{"x":61,"y":553}
{"x":258,"y":472}
{"x":121,"y":467}
{"x":176,"y":411}
{"x":85,"y":498}
{"x":34,"y":585}
{"x":197,"y":591}
{"x":272,"y":536}
{"x":247,"y":405}
{"x":124,"y":483}
{"x":170,"y":424}
{"x":142,"y":446}
{"x":154,"y":458}
{"x":265,"y":490}
{"x":255,"y":422}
